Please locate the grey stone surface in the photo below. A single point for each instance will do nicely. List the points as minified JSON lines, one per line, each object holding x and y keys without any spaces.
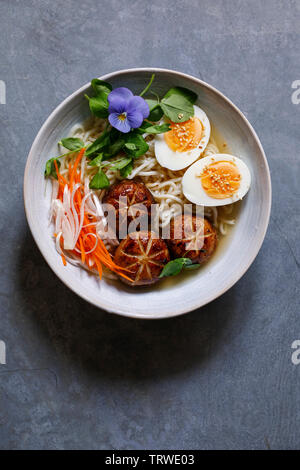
{"x":220,"y":377}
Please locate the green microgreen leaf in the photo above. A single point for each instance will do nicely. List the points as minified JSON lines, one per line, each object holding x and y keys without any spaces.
{"x":50,"y":168}
{"x":72,"y":143}
{"x":99,"y":181}
{"x":130,"y":146}
{"x":183,"y":92}
{"x":149,"y":128}
{"x":156,"y":112}
{"x":140,"y":145}
{"x":126,"y":171}
{"x":114,"y":147}
{"x":175,"y":266}
{"x":191,"y":267}
{"x":97,"y":160}
{"x":98,"y":105}
{"x":99,"y":86}
{"x":99,"y":144}
{"x":120,"y":164}
{"x":177,"y":104}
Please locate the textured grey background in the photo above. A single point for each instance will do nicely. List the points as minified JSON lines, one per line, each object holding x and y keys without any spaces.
{"x":220,"y":377}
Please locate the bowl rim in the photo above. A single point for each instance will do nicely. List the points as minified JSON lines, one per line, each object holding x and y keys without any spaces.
{"x":263,"y":229}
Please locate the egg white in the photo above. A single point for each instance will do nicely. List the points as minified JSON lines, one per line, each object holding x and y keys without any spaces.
{"x":192,"y":186}
{"x":167,"y":158}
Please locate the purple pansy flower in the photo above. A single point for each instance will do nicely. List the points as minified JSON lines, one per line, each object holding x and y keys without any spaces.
{"x":126,"y":111}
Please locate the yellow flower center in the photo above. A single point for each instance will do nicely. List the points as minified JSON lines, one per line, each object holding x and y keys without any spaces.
{"x":122,"y":117}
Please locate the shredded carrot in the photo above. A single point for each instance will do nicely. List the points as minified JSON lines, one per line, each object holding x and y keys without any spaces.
{"x":82,"y":250}
{"x":60,"y":178}
{"x":99,"y":267}
{"x":100,"y":255}
{"x":73,"y":171}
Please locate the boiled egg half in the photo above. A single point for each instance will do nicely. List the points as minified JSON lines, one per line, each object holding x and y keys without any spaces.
{"x":184,"y":143}
{"x":216,"y":180}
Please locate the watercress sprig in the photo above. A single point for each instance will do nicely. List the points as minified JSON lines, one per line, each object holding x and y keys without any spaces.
{"x":71,"y":143}
{"x":99,"y":103}
{"x":176,"y":105}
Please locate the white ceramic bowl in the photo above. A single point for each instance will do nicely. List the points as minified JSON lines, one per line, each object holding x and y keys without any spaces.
{"x":184,"y":293}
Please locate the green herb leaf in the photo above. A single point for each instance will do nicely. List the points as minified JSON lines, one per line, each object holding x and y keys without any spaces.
{"x":115,"y":147}
{"x":149,"y":128}
{"x":99,"y":181}
{"x":130,"y":146}
{"x":97,"y":160}
{"x":183,"y":92}
{"x":99,"y":144}
{"x":177,"y":104}
{"x":99,"y":86}
{"x":191,"y":267}
{"x":125,"y":172}
{"x":99,"y":105}
{"x":72,"y":143}
{"x":50,"y":168}
{"x":175,"y":266}
{"x":139,"y":142}
{"x":120,"y":164}
{"x":156,"y":113}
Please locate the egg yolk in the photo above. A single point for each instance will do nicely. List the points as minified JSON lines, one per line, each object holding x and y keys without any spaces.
{"x":220,"y":179}
{"x":184,"y":136}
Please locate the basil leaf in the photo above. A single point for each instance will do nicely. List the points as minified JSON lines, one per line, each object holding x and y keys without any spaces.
{"x":154,"y":129}
{"x":99,"y":181}
{"x":177,"y":104}
{"x":97,"y":160}
{"x":141,"y":145}
{"x":99,"y":105}
{"x":175,"y":266}
{"x":50,"y":168}
{"x":125,"y":172}
{"x":72,"y":143}
{"x":120,"y":164}
{"x":156,"y":112}
{"x":99,"y":86}
{"x":99,"y":144}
